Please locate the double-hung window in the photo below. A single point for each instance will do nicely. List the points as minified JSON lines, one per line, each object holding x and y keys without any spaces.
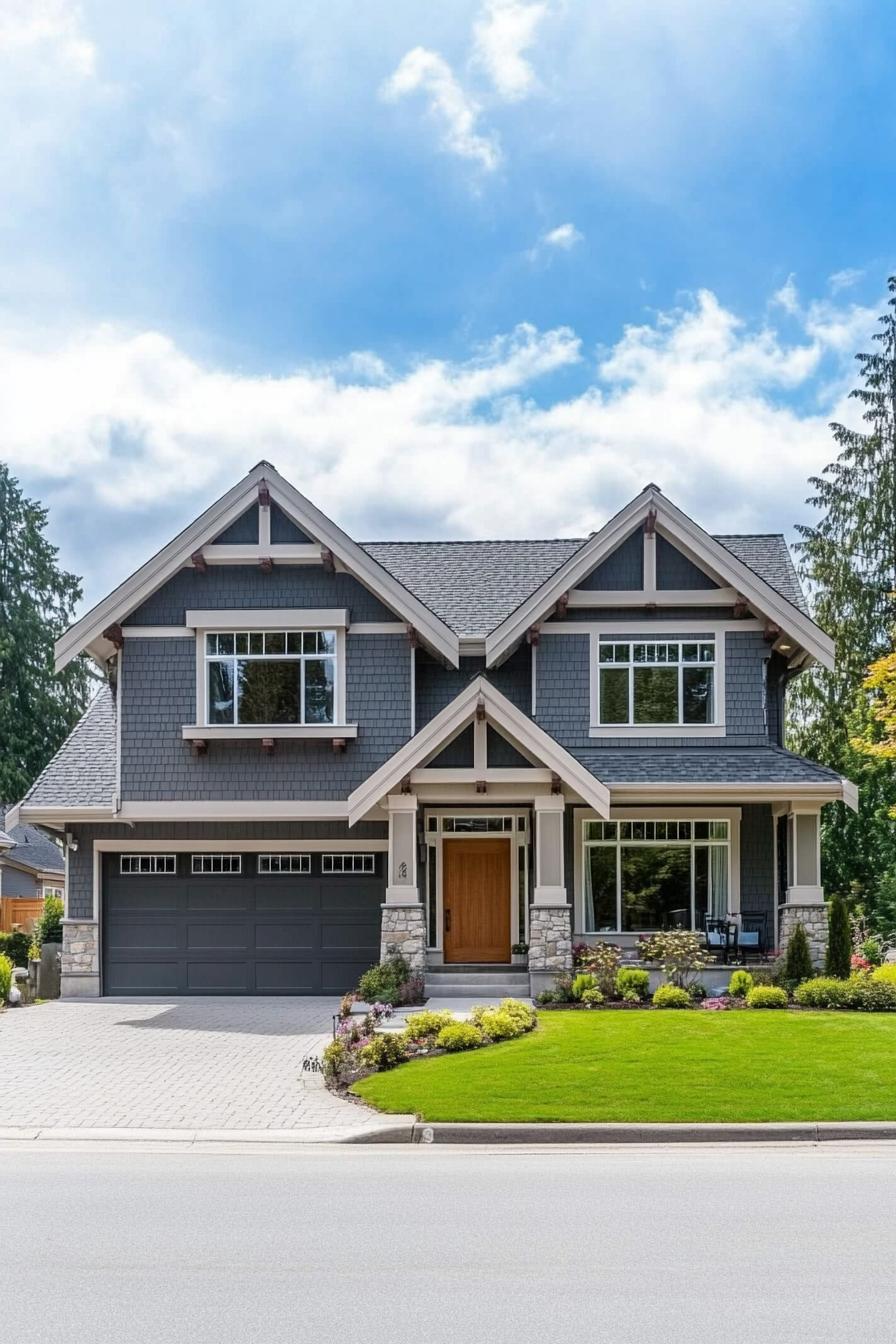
{"x":657,"y":682}
{"x":270,"y":677}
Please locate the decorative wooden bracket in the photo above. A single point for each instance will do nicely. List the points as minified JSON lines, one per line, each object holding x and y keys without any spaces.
{"x":268,"y":745}
{"x":264,"y":495}
{"x":114,"y":635}
{"x":265,"y":564}
{"x":406,"y":784}
{"x":556,"y":784}
{"x":480,"y":710}
{"x":533,"y":634}
{"x":740,"y":607}
{"x":413,"y":637}
{"x":650,"y":523}
{"x":338,"y":745}
{"x":481,"y":786}
{"x":328,"y":559}
{"x":771,"y":632}
{"x":199,"y":746}
{"x":199,"y":562}
{"x":562,"y":604}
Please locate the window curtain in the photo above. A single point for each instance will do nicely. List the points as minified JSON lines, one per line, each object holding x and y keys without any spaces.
{"x":718,"y":873}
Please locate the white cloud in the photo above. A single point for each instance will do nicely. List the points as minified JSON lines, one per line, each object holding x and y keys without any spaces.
{"x":844,"y":279}
{"x":565,"y":236}
{"x":49,"y":31}
{"x":449,"y":104}
{"x":787,"y":297}
{"x":506,"y":29}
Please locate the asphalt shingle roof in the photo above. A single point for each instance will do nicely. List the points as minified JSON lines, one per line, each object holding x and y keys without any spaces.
{"x":82,"y":773}
{"x":707,"y":765}
{"x":31,"y":846}
{"x":475,"y":585}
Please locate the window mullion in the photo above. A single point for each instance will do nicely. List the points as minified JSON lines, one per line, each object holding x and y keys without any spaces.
{"x":302,"y":690}
{"x":618,"y":886}
{"x":236,"y":690}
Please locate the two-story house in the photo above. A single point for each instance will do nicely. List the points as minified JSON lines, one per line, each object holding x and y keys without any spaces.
{"x":308,"y":751}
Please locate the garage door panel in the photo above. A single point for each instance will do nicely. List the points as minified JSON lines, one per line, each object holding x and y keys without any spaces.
{"x":241,"y":933}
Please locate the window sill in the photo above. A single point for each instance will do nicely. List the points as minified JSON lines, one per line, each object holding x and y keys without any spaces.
{"x":226,"y":732}
{"x":657,"y":730}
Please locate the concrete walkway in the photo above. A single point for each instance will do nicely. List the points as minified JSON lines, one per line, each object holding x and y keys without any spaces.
{"x":205,"y":1065}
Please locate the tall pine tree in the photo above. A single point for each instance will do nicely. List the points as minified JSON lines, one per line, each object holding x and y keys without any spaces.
{"x":37,"y":600}
{"x":849,"y":559}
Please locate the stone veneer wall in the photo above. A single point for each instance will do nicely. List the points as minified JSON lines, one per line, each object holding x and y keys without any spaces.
{"x":814,"y":919}
{"x":403,"y":934}
{"x":80,"y":958}
{"x":550,"y":944}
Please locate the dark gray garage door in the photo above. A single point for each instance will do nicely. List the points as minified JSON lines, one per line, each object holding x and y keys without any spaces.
{"x":238,"y":933}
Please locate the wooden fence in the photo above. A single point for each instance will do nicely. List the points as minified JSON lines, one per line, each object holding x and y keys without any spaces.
{"x":21,"y":911}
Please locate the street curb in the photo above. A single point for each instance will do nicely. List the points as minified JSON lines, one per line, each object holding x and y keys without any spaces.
{"x":399,"y":1129}
{"x":821,"y":1132}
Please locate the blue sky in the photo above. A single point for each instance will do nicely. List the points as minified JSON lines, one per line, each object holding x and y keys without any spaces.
{"x":462,"y":269}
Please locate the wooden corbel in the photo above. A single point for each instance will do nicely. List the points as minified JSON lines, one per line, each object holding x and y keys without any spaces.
{"x":264,"y":494}
{"x":481,"y":786}
{"x":199,"y":746}
{"x":771,"y":632}
{"x":338,"y":745}
{"x":268,"y":745}
{"x":328,"y":559}
{"x":265,"y":564}
{"x":650,"y":523}
{"x":480,"y":710}
{"x":413,"y":637}
{"x":199,"y":562}
{"x":740,"y":607}
{"x":114,"y":635}
{"x":556,"y":784}
{"x":533,"y":634}
{"x":562,"y":605}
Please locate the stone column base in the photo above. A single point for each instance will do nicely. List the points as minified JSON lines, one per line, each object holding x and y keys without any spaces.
{"x":403,"y":934}
{"x":80,"y":959}
{"x":550,"y":945}
{"x":814,"y":919}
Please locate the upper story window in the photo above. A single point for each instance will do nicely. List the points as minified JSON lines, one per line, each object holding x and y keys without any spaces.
{"x":271,"y":676}
{"x":657,"y":683}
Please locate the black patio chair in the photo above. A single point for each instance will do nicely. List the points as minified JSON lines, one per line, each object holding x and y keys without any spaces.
{"x":753,"y":940}
{"x":721,"y":938}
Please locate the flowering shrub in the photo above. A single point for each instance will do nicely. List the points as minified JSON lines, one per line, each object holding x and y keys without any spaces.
{"x":592,"y":997}
{"x":681,"y":955}
{"x":602,"y":961}
{"x":579,"y":953}
{"x":858,"y":962}
{"x":718,"y":1004}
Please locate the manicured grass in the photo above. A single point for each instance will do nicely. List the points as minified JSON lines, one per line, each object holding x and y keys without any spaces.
{"x":661,"y":1066}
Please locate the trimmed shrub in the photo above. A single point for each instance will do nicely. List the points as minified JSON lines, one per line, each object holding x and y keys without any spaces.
{"x":522,"y":1013}
{"x":885,"y":975}
{"x":49,"y":926}
{"x":384,"y":983}
{"x":338,"y":1061}
{"x":671,"y":996}
{"x":562,"y":990}
{"x":798,"y":959}
{"x":767,"y":996}
{"x":632,"y":980}
{"x":822,"y":992}
{"x":459,"y":1036}
{"x":384,"y":1051}
{"x":585,"y":980}
{"x":836,"y":961}
{"x":421,"y":1025}
{"x":592,"y":997}
{"x":6,"y":970}
{"x":740,"y":984}
{"x":864,"y":994}
{"x":499,"y":1026}
{"x":16,"y":946}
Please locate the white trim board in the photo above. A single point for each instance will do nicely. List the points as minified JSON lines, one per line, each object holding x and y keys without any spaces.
{"x":86,"y":634}
{"x":635,"y":731}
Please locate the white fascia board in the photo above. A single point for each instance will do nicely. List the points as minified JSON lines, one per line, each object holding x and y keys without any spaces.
{"x":47,"y":815}
{"x":678,"y":527}
{"x":269,"y":618}
{"x":233,"y":810}
{"x":835,"y":790}
{"x":449,"y":721}
{"x":86,"y":633}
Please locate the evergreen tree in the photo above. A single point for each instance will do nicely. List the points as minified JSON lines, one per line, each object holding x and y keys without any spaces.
{"x":849,"y":560}
{"x":839,"y":951}
{"x":37,"y":600}
{"x":798,"y":959}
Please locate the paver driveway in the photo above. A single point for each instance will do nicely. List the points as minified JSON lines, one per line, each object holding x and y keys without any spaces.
{"x":191,"y":1063}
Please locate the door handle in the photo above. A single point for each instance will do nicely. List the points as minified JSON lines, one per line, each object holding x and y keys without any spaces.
{"x":447,"y":921}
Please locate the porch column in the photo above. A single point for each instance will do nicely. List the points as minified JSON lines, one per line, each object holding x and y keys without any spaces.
{"x":550,"y":923}
{"x":804,"y":895}
{"x":403,"y":930}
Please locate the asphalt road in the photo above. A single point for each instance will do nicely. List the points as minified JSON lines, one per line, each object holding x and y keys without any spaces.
{"x":429,"y":1245}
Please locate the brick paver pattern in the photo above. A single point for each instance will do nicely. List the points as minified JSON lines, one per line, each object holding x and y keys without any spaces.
{"x":191,"y":1063}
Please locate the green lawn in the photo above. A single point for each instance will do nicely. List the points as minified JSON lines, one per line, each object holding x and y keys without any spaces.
{"x":660,"y":1066}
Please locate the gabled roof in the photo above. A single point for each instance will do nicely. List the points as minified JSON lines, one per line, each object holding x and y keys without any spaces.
{"x":718,"y":559}
{"x":87,"y":633}
{"x":30,"y":847}
{"x":503,"y":715}
{"x":82,"y":773}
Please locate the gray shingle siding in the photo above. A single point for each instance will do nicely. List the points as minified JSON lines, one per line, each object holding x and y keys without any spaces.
{"x":284,"y":531}
{"x":17,"y":882}
{"x":623,"y":568}
{"x":458,"y":754}
{"x":438,"y":685}
{"x":234,"y":586}
{"x":242,"y":531}
{"x":159,"y":698}
{"x":757,"y":864}
{"x":675,"y":570}
{"x":80,"y":869}
{"x":502,"y":754}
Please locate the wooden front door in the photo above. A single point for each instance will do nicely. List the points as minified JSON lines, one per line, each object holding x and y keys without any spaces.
{"x":476,"y":899}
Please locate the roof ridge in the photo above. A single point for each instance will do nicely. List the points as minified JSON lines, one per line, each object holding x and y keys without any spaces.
{"x":475,"y":541}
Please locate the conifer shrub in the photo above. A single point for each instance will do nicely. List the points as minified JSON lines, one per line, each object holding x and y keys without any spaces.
{"x":836,"y":962}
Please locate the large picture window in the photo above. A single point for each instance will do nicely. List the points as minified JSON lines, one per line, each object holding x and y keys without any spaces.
{"x":656,"y":683}
{"x":640,"y":876}
{"x":271,"y":676}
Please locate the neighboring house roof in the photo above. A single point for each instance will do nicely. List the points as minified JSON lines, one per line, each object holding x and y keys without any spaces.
{"x":82,"y":773}
{"x":30,"y":847}
{"x":474,"y":585}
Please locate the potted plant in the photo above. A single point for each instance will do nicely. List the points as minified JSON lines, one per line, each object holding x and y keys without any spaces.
{"x":519,"y":954}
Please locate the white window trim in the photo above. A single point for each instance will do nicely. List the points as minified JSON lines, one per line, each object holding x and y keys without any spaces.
{"x":632,"y":633}
{"x":152,"y":871}
{"x":582,"y":814}
{"x":275,"y":621}
{"x":50,"y":890}
{"x":301,"y":860}
{"x":200,"y":871}
{"x":363,"y":864}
